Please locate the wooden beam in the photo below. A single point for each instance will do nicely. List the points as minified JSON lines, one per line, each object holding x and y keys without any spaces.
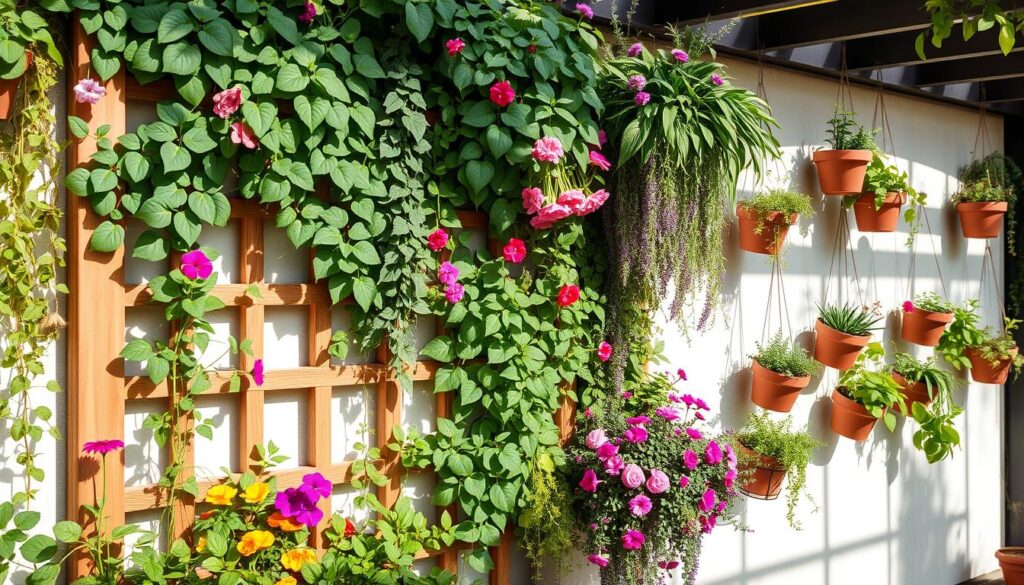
{"x":839,"y":21}
{"x":697,"y":12}
{"x":969,"y":70}
{"x":1003,"y":90}
{"x":896,"y":50}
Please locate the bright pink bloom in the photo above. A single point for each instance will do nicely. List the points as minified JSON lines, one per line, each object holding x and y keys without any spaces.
{"x":308,"y":14}
{"x":607,"y":451}
{"x":453,"y":292}
{"x":604,"y":351}
{"x":699,"y":403}
{"x":589,"y":482}
{"x":682,"y":374}
{"x":596,"y":438}
{"x":89,"y":91}
{"x":593,"y":202}
{"x":568,"y":294}
{"x":548,"y":215}
{"x":642,"y":98}
{"x":257,"y":372}
{"x":602,"y":138}
{"x":598,"y":560}
{"x":729,"y":478}
{"x":698,"y":415}
{"x":635,"y":49}
{"x":638,"y":420}
{"x":636,"y":82}
{"x":680,"y":55}
{"x":318,"y":484}
{"x":632,"y":476}
{"x":908,"y":306}
{"x":502,"y":94}
{"x":548,"y":149}
{"x":227,"y":102}
{"x":683,"y":481}
{"x":658,"y":482}
{"x":437,"y":239}
{"x":639,"y":505}
{"x":695,"y":434}
{"x":636,"y":435}
{"x":514,"y":251}
{"x":708,"y":524}
{"x":102,"y":447}
{"x":242,"y":134}
{"x":633,"y":540}
{"x":707,"y":501}
{"x":614,"y":465}
{"x":668,"y":413}
{"x":447,"y":273}
{"x":691,"y":460}
{"x":717,"y":79}
{"x":533,"y":200}
{"x":455,"y":46}
{"x":573,"y":199}
{"x":585,"y":10}
{"x":713,"y":453}
{"x":599,"y":160}
{"x":668,"y":565}
{"x":730,"y":456}
{"x":195,"y":265}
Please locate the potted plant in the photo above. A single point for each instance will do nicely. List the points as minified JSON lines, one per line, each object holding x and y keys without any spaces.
{"x":769,"y":452}
{"x":886,"y":189}
{"x":841,"y":334}
{"x":929,"y":393}
{"x":925,"y":319}
{"x":1011,"y":561}
{"x":841,"y":168}
{"x":922,"y":381}
{"x":981,"y":205}
{"x":765,"y":219}
{"x":21,"y":31}
{"x":992,"y":358}
{"x":781,"y":369}
{"x":865,"y":394}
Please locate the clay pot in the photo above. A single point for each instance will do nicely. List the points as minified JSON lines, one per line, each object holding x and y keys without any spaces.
{"x":883,"y":219}
{"x":1011,"y":561}
{"x":774,"y":228}
{"x":924,"y":327}
{"x":850,"y":419}
{"x":774,"y":391}
{"x":841,"y":172}
{"x":983,"y":371}
{"x":837,"y":349}
{"x":981,"y":220}
{"x":9,"y":90}
{"x":766,"y":474}
{"x":917,"y":392}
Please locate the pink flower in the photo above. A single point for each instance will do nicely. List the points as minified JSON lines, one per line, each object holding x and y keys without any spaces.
{"x":607,"y":451}
{"x":633,"y":540}
{"x":614,"y":465}
{"x":572,"y":199}
{"x":658,"y":482}
{"x":683,"y":481}
{"x":257,"y":372}
{"x":717,"y":79}
{"x":632,"y":476}
{"x":596,"y":438}
{"x":636,"y":434}
{"x":695,"y":434}
{"x":635,"y":49}
{"x":642,"y":98}
{"x":604,"y":351}
{"x":447,"y":273}
{"x":602,"y":138}
{"x":598,"y":560}
{"x":593,"y":202}
{"x":722,"y":505}
{"x":699,"y":403}
{"x":708,"y":524}
{"x":502,"y":94}
{"x":908,"y":306}
{"x":548,"y":215}
{"x":89,"y":91}
{"x":514,"y":251}
{"x":707,"y":501}
{"x":102,"y":447}
{"x":548,"y":149}
{"x":317,"y":484}
{"x":680,"y":55}
{"x":639,"y":505}
{"x":599,"y":160}
{"x":698,"y":415}
{"x":682,"y":374}
{"x":242,"y":134}
{"x":588,"y":413}
{"x":453,"y":292}
{"x":195,"y":265}
{"x":589,"y":482}
{"x":668,"y":413}
{"x":455,"y":46}
{"x":437,"y":239}
{"x":227,"y":102}
{"x":309,"y":14}
{"x":533,"y":200}
{"x":585,"y":10}
{"x":626,"y":395}
{"x":636,"y":82}
{"x":713,"y":453}
{"x":638,"y":420}
{"x":668,"y":565}
{"x":690,"y":459}
{"x":729,"y":478}
{"x":568,"y":295}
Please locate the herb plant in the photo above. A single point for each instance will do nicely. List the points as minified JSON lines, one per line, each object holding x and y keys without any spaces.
{"x":936,"y":435}
{"x":999,"y":347}
{"x":881,"y":179}
{"x":784,"y":201}
{"x":848,"y":318}
{"x":786,"y":358}
{"x":931,"y":301}
{"x":962,"y":332}
{"x":871,"y":386}
{"x":844,"y":133}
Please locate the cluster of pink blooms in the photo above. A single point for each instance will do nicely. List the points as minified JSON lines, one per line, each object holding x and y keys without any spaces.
{"x":301,"y":503}
{"x":225,"y":104}
{"x":571,"y":202}
{"x":585,"y":10}
{"x":908,"y":306}
{"x":513,"y":252}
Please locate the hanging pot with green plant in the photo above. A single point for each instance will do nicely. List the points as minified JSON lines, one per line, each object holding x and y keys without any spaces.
{"x":9,"y":85}
{"x":929,"y":399}
{"x":864,"y":395}
{"x":995,"y":355}
{"x":780,"y":370}
{"x":22,"y":31}
{"x":841,"y":334}
{"x":981,"y":205}
{"x":925,"y":319}
{"x":841,"y":168}
{"x":886,"y":189}
{"x":764,"y":219}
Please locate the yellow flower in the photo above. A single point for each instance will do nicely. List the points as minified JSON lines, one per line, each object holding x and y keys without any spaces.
{"x":201,"y":544}
{"x":287,"y":580}
{"x":254,"y":541}
{"x":221,"y":495}
{"x":276,"y":520}
{"x":256,"y":493}
{"x":295,"y":558}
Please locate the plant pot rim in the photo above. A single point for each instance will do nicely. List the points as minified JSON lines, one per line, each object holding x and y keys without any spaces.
{"x":757,"y":364}
{"x":854,"y":406}
{"x":927,"y":313}
{"x":1013,"y":352}
{"x":763,"y":461}
{"x":822,"y":323}
{"x":1001,"y":205}
{"x":770,"y":217}
{"x":867,"y":197}
{"x":834,"y":154}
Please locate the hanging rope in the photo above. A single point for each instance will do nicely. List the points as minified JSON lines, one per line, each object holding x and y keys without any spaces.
{"x":988,"y":266}
{"x":844,"y":259}
{"x":982,"y":137}
{"x":778,"y":294}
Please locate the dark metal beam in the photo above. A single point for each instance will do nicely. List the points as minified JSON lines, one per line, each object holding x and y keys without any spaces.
{"x":898,"y":49}
{"x":692,"y":12}
{"x":975,"y":69}
{"x":840,"y":21}
{"x":1003,"y":90}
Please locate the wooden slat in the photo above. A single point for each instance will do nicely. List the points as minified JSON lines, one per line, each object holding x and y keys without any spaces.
{"x":389,"y":413}
{"x":501,"y":574}
{"x":234,"y":295}
{"x":95,"y":410}
{"x":251,"y":329}
{"x":318,"y":436}
{"x":565,"y":416}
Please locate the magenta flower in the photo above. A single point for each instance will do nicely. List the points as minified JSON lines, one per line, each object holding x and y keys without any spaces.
{"x":242,"y":134}
{"x":639,"y":505}
{"x":585,"y":10}
{"x":642,"y":98}
{"x":318,"y":484}
{"x":502,"y":94}
{"x":698,"y":415}
{"x":694,"y":434}
{"x":730,"y":456}
{"x":691,"y":460}
{"x":593,"y":202}
{"x":447,"y":273}
{"x":598,"y":560}
{"x":602,"y":138}
{"x":588,"y":413}
{"x":533,"y":200}
{"x":589,"y":482}
{"x":658,"y":482}
{"x":668,"y":565}
{"x":437,"y":240}
{"x":102,"y":447}
{"x":682,"y":374}
{"x":455,"y":46}
{"x":89,"y":91}
{"x":632,"y":476}
{"x":614,"y":465}
{"x":699,"y":403}
{"x":636,"y":435}
{"x":708,"y":524}
{"x":667,"y":412}
{"x":548,"y":149}
{"x":596,"y":438}
{"x":635,"y":49}
{"x":638,"y":420}
{"x":514,"y":251}
{"x":717,"y":79}
{"x":730,"y":478}
{"x":707,"y":501}
{"x":607,"y":450}
{"x":257,"y":372}
{"x":713,"y":453}
{"x":308,"y":14}
{"x":636,"y":82}
{"x":604,"y":351}
{"x":680,"y":55}
{"x":599,"y":160}
{"x":227,"y":102}
{"x":548,"y":215}
{"x":908,"y":306}
{"x":299,"y":504}
{"x":572,"y":199}
{"x":633,"y":540}
{"x":195,"y":265}
{"x":453,"y":292}
{"x":683,"y":481}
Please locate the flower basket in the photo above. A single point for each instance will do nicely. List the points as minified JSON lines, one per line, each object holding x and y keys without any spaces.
{"x":917,"y":392}
{"x":765,"y":474}
{"x":1011,"y":561}
{"x":773,"y":230}
{"x":9,"y":90}
{"x":773,"y":391}
{"x":849,"y":418}
{"x":882,"y":219}
{"x":837,"y":349}
{"x":841,"y":172}
{"x":983,"y":371}
{"x":981,"y":219}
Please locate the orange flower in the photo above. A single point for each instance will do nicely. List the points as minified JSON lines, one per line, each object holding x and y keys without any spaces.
{"x":256,"y":493}
{"x":201,"y":544}
{"x":287,"y":580}
{"x":221,"y":495}
{"x":254,"y":541}
{"x":295,"y":558}
{"x":276,"y":520}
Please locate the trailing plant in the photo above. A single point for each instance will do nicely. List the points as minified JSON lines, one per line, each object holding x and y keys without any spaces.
{"x":963,"y":332}
{"x":999,"y":347}
{"x":792,"y":449}
{"x":786,"y":358}
{"x":974,"y":16}
{"x":881,"y":179}
{"x":24,"y":38}
{"x":870,"y":385}
{"x":849,"y":319}
{"x":784,"y":201}
{"x":936,"y":436}
{"x":547,"y":524}
{"x":932,"y":302}
{"x":844,"y":133}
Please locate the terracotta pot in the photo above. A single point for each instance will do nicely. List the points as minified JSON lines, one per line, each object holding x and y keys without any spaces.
{"x":9,"y":90}
{"x":917,"y":392}
{"x":924,"y":327}
{"x":981,"y":220}
{"x":1011,"y":561}
{"x":774,"y":228}
{"x":836,"y":349}
{"x":883,"y":219}
{"x":850,"y":419}
{"x":774,"y":391}
{"x":766,"y":474}
{"x":983,"y":371}
{"x":841,"y":172}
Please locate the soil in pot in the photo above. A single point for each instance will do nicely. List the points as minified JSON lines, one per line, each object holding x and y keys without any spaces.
{"x":983,"y":371}
{"x":9,"y":90}
{"x":774,"y":391}
{"x":1011,"y":561}
{"x":917,"y":392}
{"x":841,"y":172}
{"x":883,"y":219}
{"x":773,"y":229}
{"x":924,"y":327}
{"x":766,"y":474}
{"x":981,"y":220}
{"x":849,"y":418}
{"x":837,"y":349}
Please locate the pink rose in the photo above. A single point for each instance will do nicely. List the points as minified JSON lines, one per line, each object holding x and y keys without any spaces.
{"x":632,"y":476}
{"x":589,"y":482}
{"x":598,"y":560}
{"x":455,"y":46}
{"x":502,"y":94}
{"x":668,"y":413}
{"x":614,"y":465}
{"x":683,"y":481}
{"x":691,"y":460}
{"x":437,"y":239}
{"x":533,"y":200}
{"x":642,"y":98}
{"x":592,"y":203}
{"x":242,"y":134}
{"x":607,"y":450}
{"x":572,"y":199}
{"x":633,"y":540}
{"x":447,"y":273}
{"x":658,"y":482}
{"x":604,"y":351}
{"x":453,"y":292}
{"x":548,"y":215}
{"x":89,"y":91}
{"x":638,"y":420}
{"x":707,"y":501}
{"x":596,"y":438}
{"x":636,"y":82}
{"x":514,"y":251}
{"x":639,"y":505}
{"x":548,"y":149}
{"x":636,"y":435}
{"x":599,"y":160}
{"x":227,"y":102}
{"x":568,"y":295}
{"x":713,"y":453}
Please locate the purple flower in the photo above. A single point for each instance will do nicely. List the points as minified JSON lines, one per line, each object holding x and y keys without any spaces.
{"x":453,"y":292}
{"x":318,"y":484}
{"x":635,"y":49}
{"x":585,"y":10}
{"x":195,"y":265}
{"x":707,"y":501}
{"x":713,"y":453}
{"x":691,"y":460}
{"x":447,"y":273}
{"x":694,"y":434}
{"x":257,"y":372}
{"x":680,"y":55}
{"x":641,"y":98}
{"x":717,"y":79}
{"x":640,"y":505}
{"x":308,"y":14}
{"x":102,"y":447}
{"x":299,"y":504}
{"x":89,"y":91}
{"x":636,"y":82}
{"x":635,"y":434}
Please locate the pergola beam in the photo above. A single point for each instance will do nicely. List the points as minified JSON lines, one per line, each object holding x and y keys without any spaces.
{"x":696,"y":12}
{"x":973,"y":69}
{"x":897,"y":50}
{"x":839,"y":21}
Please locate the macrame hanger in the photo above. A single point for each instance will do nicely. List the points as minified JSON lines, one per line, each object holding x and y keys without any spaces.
{"x":844,"y":96}
{"x":777,"y":293}
{"x":880,"y":119}
{"x":988,"y":267}
{"x":982,"y":139}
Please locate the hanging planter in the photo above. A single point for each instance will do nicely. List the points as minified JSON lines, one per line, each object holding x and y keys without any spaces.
{"x":925,"y":319}
{"x":765,"y":474}
{"x":841,"y":334}
{"x":981,"y":219}
{"x":849,"y":418}
{"x":914,"y":392}
{"x":864,"y":395}
{"x":9,"y":89}
{"x":986,"y":195}
{"x":1011,"y":561}
{"x":989,"y":371}
{"x":841,"y":169}
{"x":775,"y":391}
{"x":764,"y":219}
{"x":878,"y":214}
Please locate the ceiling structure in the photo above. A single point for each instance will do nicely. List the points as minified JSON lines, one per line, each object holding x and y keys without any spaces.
{"x":877,"y":37}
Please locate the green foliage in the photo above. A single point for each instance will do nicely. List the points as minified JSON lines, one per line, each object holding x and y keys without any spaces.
{"x":963,"y":332}
{"x":936,"y":436}
{"x":982,"y":191}
{"x":844,"y":133}
{"x":793,"y":450}
{"x":786,"y":357}
{"x":848,"y":318}
{"x":881,"y":179}
{"x":24,"y":30}
{"x":547,"y":524}
{"x":870,"y":385}
{"x":996,"y":177}
{"x":784,"y":201}
{"x":997,"y":348}
{"x":974,"y":16}
{"x":931,"y":301}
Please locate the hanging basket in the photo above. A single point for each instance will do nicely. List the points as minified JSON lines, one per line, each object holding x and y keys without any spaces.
{"x":981,"y":220}
{"x":841,"y":172}
{"x":849,"y":418}
{"x":773,"y":229}
{"x":1011,"y":561}
{"x":924,"y":327}
{"x":917,"y":392}
{"x":983,"y":371}
{"x":837,"y":349}
{"x":765,"y":474}
{"x":773,"y":391}
{"x":882,"y":219}
{"x":9,"y":90}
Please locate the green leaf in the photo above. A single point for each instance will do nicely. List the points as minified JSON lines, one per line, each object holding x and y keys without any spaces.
{"x":175,"y":158}
{"x":503,"y":215}
{"x":103,"y":180}
{"x":174,"y":25}
{"x":498,"y":140}
{"x":27,"y":520}
{"x":479,"y":174}
{"x":40,"y":548}
{"x":499,"y":499}
{"x":107,"y":237}
{"x":136,"y":165}
{"x":368,"y":67}
{"x":219,"y":37}
{"x":364,"y":289}
{"x":77,"y":181}
{"x":291,"y":79}
{"x":1007,"y":37}
{"x":79,"y":127}
{"x":67,"y":531}
{"x":284,"y":26}
{"x":440,"y":348}
{"x":479,"y":114}
{"x":182,"y":59}
{"x":203,"y":206}
{"x":137,"y":350}
{"x":151,"y":245}
{"x":364,"y":118}
{"x":198,"y":140}
{"x":419,"y":19}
